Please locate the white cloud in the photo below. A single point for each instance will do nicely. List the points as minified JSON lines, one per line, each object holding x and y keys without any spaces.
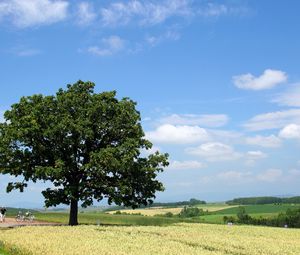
{"x":85,"y":14}
{"x":270,"y":175}
{"x":149,"y":13}
{"x":291,"y":97}
{"x":294,"y":173}
{"x":254,"y":155}
{"x":207,"y":120}
{"x":27,"y":52}
{"x":144,"y":13}
{"x":213,"y":10}
{"x":171,"y":134}
{"x":185,"y":165}
{"x":273,"y":120}
{"x":215,"y":151}
{"x":270,"y":141}
{"x":240,"y":177}
{"x":235,"y":176}
{"x":110,"y":46}
{"x":33,"y":12}
{"x":290,"y":131}
{"x":269,"y":79}
{"x":226,"y":136}
{"x":230,"y":177}
{"x":167,"y":36}
{"x":147,"y":119}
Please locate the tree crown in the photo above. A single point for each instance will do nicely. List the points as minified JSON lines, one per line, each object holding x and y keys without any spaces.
{"x":87,"y":144}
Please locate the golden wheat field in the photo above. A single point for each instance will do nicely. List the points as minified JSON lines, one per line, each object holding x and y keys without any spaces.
{"x":176,"y":239}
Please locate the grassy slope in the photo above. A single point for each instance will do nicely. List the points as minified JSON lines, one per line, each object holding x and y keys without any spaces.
{"x":259,"y":209}
{"x":265,"y":211}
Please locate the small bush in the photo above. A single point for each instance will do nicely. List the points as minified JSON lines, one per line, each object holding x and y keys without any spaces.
{"x":187,"y":212}
{"x":227,"y":219}
{"x":169,"y":214}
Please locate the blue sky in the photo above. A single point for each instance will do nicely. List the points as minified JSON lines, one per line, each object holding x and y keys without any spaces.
{"x":217,"y":83}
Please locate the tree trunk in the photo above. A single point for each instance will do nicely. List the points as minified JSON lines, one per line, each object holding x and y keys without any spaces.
{"x":73,"y":219}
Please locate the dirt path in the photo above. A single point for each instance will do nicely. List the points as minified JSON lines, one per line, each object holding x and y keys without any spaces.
{"x":11,"y":222}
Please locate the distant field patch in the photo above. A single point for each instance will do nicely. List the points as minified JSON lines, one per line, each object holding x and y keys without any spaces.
{"x":216,"y":207}
{"x":187,"y":239}
{"x":176,"y":210}
{"x":150,"y":211}
{"x":260,"y":209}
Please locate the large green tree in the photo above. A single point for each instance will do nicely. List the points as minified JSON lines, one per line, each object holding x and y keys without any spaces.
{"x":87,"y":144}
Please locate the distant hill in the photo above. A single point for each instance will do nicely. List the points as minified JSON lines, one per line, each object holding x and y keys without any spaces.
{"x":264,"y":200}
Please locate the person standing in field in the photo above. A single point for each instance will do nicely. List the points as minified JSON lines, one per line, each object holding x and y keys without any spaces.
{"x":1,"y":216}
{"x":2,"y":212}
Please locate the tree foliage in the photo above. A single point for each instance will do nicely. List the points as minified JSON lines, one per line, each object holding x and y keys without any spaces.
{"x":187,"y":212}
{"x":87,"y":144}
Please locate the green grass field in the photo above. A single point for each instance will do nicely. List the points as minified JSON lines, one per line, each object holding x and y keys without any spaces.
{"x":259,"y":209}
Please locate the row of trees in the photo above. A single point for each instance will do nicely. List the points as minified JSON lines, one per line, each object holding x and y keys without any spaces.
{"x":87,"y":144}
{"x":190,"y":203}
{"x":263,"y":200}
{"x":290,"y":218}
